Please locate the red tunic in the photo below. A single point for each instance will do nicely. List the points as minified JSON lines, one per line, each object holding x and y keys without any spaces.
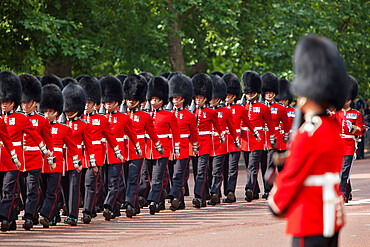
{"x":355,"y":118}
{"x":32,"y":155}
{"x":166,"y":126}
{"x":6,"y":142}
{"x":280,"y":138}
{"x":206,"y":120}
{"x":81,"y":134}
{"x":61,"y":135}
{"x":307,"y":191}
{"x":142,"y":123}
{"x":17,"y":125}
{"x":122,"y":129}
{"x":100,"y":128}
{"x":225,"y":117}
{"x":259,"y":114}
{"x":278,"y":115}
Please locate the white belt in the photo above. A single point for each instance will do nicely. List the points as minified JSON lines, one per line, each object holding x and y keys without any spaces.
{"x":141,"y":136}
{"x":79,"y":146}
{"x":29,"y":148}
{"x":347,"y":136}
{"x":329,"y":197}
{"x":121,"y":139}
{"x":103,"y":140}
{"x":17,"y":144}
{"x":214,"y":134}
{"x":184,"y":135}
{"x":244,"y":128}
{"x":277,"y":128}
{"x":165,"y":136}
{"x":58,"y":149}
{"x":237,"y":130}
{"x":202,"y":133}
{"x":96,"y":142}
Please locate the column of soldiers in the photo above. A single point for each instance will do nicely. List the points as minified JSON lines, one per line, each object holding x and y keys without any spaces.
{"x":126,"y":142}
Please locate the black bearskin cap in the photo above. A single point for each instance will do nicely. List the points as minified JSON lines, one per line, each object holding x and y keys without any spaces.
{"x":219,"y":89}
{"x":251,"y":82}
{"x":181,"y":85}
{"x":202,"y":84}
{"x":284,"y":91}
{"x":31,"y":88}
{"x":158,"y":87}
{"x":74,"y":98}
{"x":10,"y":87}
{"x":51,"y":98}
{"x":270,"y":83}
{"x":111,"y":88}
{"x":165,"y":74}
{"x":174,"y":74}
{"x":320,"y":72}
{"x":78,"y":78}
{"x":51,"y":79}
{"x":147,"y":76}
{"x":67,"y":80}
{"x":92,"y":89}
{"x":220,"y":74}
{"x":354,"y":87}
{"x":135,"y":87}
{"x":232,"y":84}
{"x":122,"y":78}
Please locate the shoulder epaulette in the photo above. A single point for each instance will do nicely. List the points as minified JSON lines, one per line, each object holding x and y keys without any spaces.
{"x":311,"y":124}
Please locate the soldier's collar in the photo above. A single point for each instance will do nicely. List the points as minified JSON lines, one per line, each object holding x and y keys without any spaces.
{"x":178,"y":109}
{"x":251,"y":102}
{"x":90,"y":114}
{"x":73,"y":119}
{"x":157,"y":110}
{"x":53,"y":122}
{"x":133,"y":110}
{"x":202,"y":107}
{"x":229,"y":104}
{"x":270,"y":103}
{"x":30,"y":114}
{"x":113,"y":112}
{"x":9,"y":112}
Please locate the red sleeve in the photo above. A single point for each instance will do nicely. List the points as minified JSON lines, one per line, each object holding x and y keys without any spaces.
{"x":5,"y":138}
{"x":284,"y":119}
{"x":68,"y":140}
{"x":129,"y":130}
{"x":46,"y":135}
{"x":175,"y":129}
{"x":108,"y":134}
{"x":31,"y":131}
{"x":89,"y":148}
{"x":193,"y":129}
{"x":268,"y":120}
{"x":230,"y":125}
{"x":149,"y":127}
{"x":215,"y":122}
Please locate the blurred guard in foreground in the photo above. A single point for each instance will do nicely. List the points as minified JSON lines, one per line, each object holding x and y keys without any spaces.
{"x":307,"y":191}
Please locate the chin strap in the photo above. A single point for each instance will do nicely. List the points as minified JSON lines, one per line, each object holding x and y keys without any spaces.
{"x":51,"y":117}
{"x":160,"y":102}
{"x":73,"y":115}
{"x":9,"y":107}
{"x":134,"y":106}
{"x":250,"y":98}
{"x":113,"y":107}
{"x":231,"y":100}
{"x":31,"y":108}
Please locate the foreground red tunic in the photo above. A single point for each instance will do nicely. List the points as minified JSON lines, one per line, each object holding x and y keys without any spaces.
{"x":307,"y":191}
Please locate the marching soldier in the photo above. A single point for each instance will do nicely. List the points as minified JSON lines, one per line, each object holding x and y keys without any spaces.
{"x":33,"y":161}
{"x":206,"y":120}
{"x":17,"y":125}
{"x":307,"y":191}
{"x":51,"y":105}
{"x":259,"y":114}
{"x":239,"y":114}
{"x":74,"y":106}
{"x":134,"y":91}
{"x":180,"y":93}
{"x":219,"y":151}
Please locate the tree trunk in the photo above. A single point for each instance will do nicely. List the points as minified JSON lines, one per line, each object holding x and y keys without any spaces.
{"x":174,"y":44}
{"x":59,"y":67}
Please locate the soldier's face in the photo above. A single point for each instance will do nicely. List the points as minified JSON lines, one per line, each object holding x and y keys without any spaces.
{"x":269,"y":96}
{"x":347,"y":104}
{"x":7,"y":106}
{"x":89,"y":106}
{"x":230,"y":98}
{"x":51,"y":114}
{"x":200,"y":100}
{"x":71,"y":114}
{"x":131,"y":103}
{"x":28,"y":106}
{"x":110,"y":106}
{"x":178,"y":101}
{"x":215,"y":102}
{"x":251,"y":96}
{"x":284,"y":102}
{"x":156,"y":102}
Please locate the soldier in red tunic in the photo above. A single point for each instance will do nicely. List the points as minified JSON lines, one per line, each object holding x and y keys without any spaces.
{"x":239,"y":114}
{"x":307,"y":191}
{"x":33,"y":161}
{"x":351,"y":124}
{"x":17,"y":125}
{"x":206,"y":121}
{"x":260,"y":116}
{"x":180,"y":93}
{"x":51,"y":105}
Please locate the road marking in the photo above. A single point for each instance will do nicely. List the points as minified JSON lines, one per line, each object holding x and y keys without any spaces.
{"x":364,"y":201}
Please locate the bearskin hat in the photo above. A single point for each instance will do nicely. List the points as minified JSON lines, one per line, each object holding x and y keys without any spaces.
{"x":181,"y":85}
{"x":111,"y":88}
{"x":165,"y":74}
{"x":284,"y":91}
{"x":51,"y":79}
{"x":270,"y":83}
{"x":121,"y":77}
{"x":67,"y":80}
{"x":220,"y":74}
{"x":10,"y":87}
{"x":354,"y":87}
{"x":320,"y":72}
{"x":219,"y":89}
{"x":31,"y":88}
{"x":251,"y":82}
{"x":232,"y":84}
{"x":147,"y":76}
{"x":92,"y":88}
{"x":74,"y":98}
{"x":51,"y":98}
{"x":174,"y":74}
{"x":203,"y":85}
{"x":158,"y":87}
{"x":135,"y":87}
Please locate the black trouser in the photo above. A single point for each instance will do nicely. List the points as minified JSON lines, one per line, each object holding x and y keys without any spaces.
{"x":252,"y":159}
{"x":115,"y":186}
{"x":267,"y":163}
{"x":194,"y":163}
{"x":50,"y":206}
{"x":82,"y":187}
{"x":217,"y":176}
{"x":179,"y":178}
{"x":73,"y":192}
{"x":169,"y":174}
{"x":92,"y":186}
{"x":316,"y":241}
{"x":33,"y":193}
{"x":200,"y":187}
{"x":9,"y":195}
{"x":145,"y":176}
{"x":133,"y":181}
{"x":22,"y":186}
{"x":361,"y":148}
{"x":103,"y":189}
{"x":231,"y":166}
{"x":345,"y":183}
{"x":159,"y":166}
